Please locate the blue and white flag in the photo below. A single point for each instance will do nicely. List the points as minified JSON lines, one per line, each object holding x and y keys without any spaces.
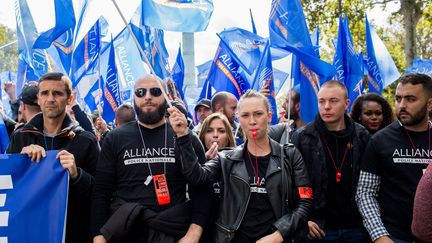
{"x":4,"y":136}
{"x":346,"y":61}
{"x":203,"y":71}
{"x":288,"y":31}
{"x":382,"y":69}
{"x":178,"y":73}
{"x":177,"y":15}
{"x":33,"y":199}
{"x":224,"y":74}
{"x":245,"y":47}
{"x":252,"y":23}
{"x":111,"y":90}
{"x":420,"y":66}
{"x":264,"y":79}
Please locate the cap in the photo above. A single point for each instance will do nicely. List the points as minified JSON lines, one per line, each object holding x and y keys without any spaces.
{"x":204,"y":102}
{"x":29,"y":95}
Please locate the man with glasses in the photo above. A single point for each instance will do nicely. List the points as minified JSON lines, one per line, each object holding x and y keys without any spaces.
{"x":140,"y":193}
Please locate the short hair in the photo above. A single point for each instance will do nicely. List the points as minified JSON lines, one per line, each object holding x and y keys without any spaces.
{"x":124,"y":114}
{"x":218,"y":98}
{"x":357,"y":107}
{"x":206,"y":125}
{"x":417,"y":78}
{"x":254,"y":94}
{"x":56,"y":76}
{"x":335,"y":83}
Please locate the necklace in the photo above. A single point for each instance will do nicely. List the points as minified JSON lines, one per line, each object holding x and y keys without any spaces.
{"x":412,"y":142}
{"x":337,"y":168}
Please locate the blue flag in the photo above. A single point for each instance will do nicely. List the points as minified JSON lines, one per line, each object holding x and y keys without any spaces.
{"x":279,"y":78}
{"x":203,"y":71}
{"x":382,"y":69}
{"x":178,"y":73}
{"x":224,"y":73}
{"x":288,"y":31}
{"x":86,"y":52}
{"x":245,"y":47}
{"x":315,"y":40}
{"x":33,"y":63}
{"x":177,"y":15}
{"x":420,"y":66}
{"x":252,"y":23}
{"x":264,"y":79}
{"x":34,"y":198}
{"x":111,"y":90}
{"x":346,"y":61}
{"x":64,"y":22}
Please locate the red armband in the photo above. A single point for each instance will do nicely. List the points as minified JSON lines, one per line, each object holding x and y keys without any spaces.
{"x":305,"y":192}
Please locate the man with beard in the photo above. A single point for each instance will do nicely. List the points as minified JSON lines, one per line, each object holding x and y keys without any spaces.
{"x":394,"y":162}
{"x":279,"y":132}
{"x":140,"y":193}
{"x":53,"y":129}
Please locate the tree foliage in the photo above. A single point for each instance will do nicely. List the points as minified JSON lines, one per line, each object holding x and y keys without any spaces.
{"x":9,"y":54}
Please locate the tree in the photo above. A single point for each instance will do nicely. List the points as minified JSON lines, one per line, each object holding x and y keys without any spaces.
{"x":8,"y":54}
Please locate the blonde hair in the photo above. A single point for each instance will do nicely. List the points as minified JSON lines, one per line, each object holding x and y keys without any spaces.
{"x":206,"y":125}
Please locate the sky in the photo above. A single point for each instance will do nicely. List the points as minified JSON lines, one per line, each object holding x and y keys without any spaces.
{"x":227,"y":13}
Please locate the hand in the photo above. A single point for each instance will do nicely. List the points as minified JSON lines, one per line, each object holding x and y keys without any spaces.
{"x":10,"y":89}
{"x":35,"y":152}
{"x":384,"y":239}
{"x":73,"y":95}
{"x":193,"y":234}
{"x":273,"y":238}
{"x":315,"y":232}
{"x":212,"y":152}
{"x":265,"y":91}
{"x":178,"y":122}
{"x":101,"y":126}
{"x":99,"y":239}
{"x":67,"y":160}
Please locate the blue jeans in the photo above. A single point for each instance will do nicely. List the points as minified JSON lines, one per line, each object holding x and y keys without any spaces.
{"x":348,"y":235}
{"x":396,"y":240}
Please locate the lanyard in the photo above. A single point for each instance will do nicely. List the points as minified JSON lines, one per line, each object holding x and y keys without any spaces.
{"x":338,"y":169}
{"x":150,"y":177}
{"x":412,"y":142}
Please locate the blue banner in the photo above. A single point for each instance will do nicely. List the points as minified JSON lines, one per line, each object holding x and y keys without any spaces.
{"x":224,"y":73}
{"x":180,"y":16}
{"x":111,"y":90}
{"x":421,"y":66}
{"x":33,"y":197}
{"x":382,"y":69}
{"x":203,"y":71}
{"x":264,"y":79}
{"x":288,"y":31}
{"x":346,"y":61}
{"x":178,"y":73}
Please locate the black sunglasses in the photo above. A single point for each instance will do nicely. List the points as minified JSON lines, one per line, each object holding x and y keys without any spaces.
{"x":141,"y":92}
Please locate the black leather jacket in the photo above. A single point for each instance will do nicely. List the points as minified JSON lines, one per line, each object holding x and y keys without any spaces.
{"x":291,"y":209}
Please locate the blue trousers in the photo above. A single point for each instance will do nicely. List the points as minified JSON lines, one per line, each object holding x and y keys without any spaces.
{"x":342,"y":235}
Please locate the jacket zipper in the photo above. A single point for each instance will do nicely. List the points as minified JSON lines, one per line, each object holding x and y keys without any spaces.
{"x":247,"y":203}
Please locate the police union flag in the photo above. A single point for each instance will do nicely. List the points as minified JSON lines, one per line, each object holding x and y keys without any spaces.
{"x":33,"y":199}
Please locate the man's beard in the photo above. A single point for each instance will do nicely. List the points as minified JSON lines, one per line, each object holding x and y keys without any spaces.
{"x":151,"y":117}
{"x":414,"y":118}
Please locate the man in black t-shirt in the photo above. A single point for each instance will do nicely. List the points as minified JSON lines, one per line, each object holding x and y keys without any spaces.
{"x":332,"y":147}
{"x":394,"y":162}
{"x":140,"y":193}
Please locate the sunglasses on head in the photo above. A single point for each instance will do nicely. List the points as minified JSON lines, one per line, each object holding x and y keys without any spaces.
{"x":141,"y":92}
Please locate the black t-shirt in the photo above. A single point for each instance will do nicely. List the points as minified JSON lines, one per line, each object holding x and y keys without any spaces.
{"x":123,"y":168}
{"x":339,"y":210}
{"x":259,"y":216}
{"x":400,"y":164}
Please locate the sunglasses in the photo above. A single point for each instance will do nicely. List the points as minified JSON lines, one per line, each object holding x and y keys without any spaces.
{"x":141,"y":92}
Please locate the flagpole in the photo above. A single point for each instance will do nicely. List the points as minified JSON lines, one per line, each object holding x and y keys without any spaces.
{"x":99,"y":75}
{"x":289,"y":111}
{"x":142,"y":52}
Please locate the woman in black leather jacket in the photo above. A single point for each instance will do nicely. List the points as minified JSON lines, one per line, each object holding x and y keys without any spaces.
{"x":263,"y":200}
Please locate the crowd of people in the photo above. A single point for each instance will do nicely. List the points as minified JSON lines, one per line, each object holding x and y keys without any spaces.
{"x":361,"y":176}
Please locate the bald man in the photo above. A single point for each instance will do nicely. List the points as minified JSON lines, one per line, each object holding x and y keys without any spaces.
{"x":139,"y":178}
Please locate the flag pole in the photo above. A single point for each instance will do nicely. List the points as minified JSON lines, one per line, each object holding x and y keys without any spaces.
{"x":99,"y":76}
{"x":142,"y":52}
{"x":289,"y":111}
